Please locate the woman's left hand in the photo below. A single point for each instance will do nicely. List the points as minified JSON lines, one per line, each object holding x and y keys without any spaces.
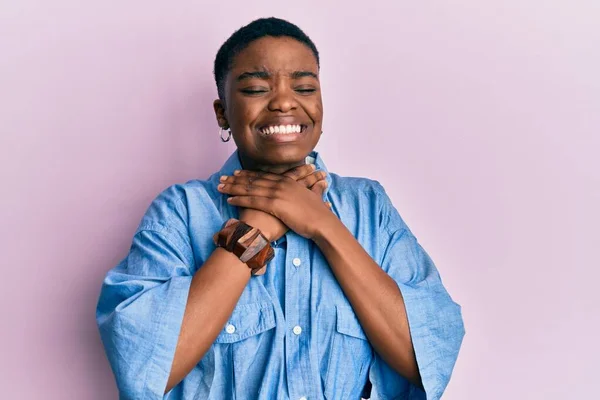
{"x":298,"y":207}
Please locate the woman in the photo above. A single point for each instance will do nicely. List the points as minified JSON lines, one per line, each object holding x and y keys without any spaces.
{"x":275,"y":279}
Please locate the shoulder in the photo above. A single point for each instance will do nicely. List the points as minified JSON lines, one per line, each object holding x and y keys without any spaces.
{"x":172,"y":207}
{"x":360,"y":188}
{"x":370,"y":197}
{"x":354,"y":184}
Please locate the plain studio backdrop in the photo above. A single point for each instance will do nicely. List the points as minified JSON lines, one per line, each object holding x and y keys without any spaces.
{"x":480,"y":118}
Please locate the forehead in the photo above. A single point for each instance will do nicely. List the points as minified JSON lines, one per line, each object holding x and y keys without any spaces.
{"x":275,"y":54}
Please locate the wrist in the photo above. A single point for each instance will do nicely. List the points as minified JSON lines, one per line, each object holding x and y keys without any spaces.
{"x":256,"y":223}
{"x":325,"y":229}
{"x":247,"y":243}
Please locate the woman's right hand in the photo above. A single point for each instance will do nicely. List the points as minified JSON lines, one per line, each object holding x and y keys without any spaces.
{"x":271,"y":226}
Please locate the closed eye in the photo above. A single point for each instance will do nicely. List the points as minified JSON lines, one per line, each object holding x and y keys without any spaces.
{"x":306,"y":90}
{"x":253,"y":91}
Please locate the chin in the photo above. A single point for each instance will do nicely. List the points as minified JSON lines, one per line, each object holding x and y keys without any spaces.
{"x":285,"y":156}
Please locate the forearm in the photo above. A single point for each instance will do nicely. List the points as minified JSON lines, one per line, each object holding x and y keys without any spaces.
{"x":214,"y":292}
{"x":375,"y":297}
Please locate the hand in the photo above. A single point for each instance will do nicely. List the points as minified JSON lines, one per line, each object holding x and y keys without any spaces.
{"x":280,"y":196}
{"x":268,"y":224}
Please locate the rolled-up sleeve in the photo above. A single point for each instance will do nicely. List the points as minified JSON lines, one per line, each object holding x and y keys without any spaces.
{"x":141,"y":306}
{"x":435,"y":320}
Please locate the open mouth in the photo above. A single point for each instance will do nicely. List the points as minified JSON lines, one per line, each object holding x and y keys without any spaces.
{"x":282,"y":129}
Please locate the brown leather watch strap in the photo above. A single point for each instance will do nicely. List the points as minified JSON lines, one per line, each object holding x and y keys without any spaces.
{"x":247,"y":243}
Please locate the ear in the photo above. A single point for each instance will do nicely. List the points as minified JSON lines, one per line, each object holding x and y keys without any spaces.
{"x":219,"y":107}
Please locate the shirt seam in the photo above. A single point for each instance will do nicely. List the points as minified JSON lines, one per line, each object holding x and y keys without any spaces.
{"x":177,"y":202}
{"x":161,"y":232}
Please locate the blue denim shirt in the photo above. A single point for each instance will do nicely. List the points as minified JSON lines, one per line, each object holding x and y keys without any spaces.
{"x":293,"y":333}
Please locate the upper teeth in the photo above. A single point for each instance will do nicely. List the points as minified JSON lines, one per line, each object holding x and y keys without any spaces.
{"x":269,"y":130}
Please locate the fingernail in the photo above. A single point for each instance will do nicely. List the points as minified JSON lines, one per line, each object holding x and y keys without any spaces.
{"x":221,"y":186}
{"x":236,"y":172}
{"x":313,"y":167}
{"x":223,"y":178}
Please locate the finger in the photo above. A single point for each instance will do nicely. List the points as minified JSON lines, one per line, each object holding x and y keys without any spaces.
{"x":313,"y":178}
{"x":257,"y":203}
{"x":246,"y":190}
{"x":258,"y":174}
{"x":248,"y":180}
{"x":300,"y":171}
{"x":319,"y":187}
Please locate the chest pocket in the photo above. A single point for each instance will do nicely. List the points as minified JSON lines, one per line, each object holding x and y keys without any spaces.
{"x":245,"y":342}
{"x":350,"y":357}
{"x":247,"y":320}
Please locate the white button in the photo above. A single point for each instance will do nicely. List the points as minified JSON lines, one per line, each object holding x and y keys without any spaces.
{"x":230,"y":328}
{"x":297,"y":330}
{"x":296,"y":262}
{"x":302,"y":398}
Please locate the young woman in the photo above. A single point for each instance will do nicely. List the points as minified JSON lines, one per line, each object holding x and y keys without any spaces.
{"x":275,"y":279}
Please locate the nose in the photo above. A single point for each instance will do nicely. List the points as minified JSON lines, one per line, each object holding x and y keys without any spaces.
{"x":282,"y":100}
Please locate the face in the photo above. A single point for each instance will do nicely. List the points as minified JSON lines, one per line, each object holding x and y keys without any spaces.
{"x":273,"y":104}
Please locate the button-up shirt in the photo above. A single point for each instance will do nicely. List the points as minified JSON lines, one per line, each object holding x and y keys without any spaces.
{"x":293,"y":333}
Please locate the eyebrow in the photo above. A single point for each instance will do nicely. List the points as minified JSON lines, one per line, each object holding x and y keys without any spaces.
{"x":267,"y":75}
{"x":254,"y":74}
{"x":302,"y":74}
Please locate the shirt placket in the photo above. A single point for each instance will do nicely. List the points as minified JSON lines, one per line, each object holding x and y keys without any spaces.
{"x":297,"y":303}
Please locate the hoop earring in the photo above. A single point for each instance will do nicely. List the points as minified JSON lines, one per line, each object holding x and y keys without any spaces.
{"x":221,"y":135}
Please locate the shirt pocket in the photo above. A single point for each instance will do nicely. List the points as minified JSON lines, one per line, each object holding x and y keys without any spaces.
{"x":349,"y":359}
{"x":244,"y":347}
{"x":247,"y":320}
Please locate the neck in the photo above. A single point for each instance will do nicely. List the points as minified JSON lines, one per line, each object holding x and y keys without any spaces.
{"x":252,"y":165}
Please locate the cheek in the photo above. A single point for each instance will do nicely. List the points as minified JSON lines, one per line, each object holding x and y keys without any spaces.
{"x":313,"y":107}
{"x":244,"y":114}
{"x":316,"y":112}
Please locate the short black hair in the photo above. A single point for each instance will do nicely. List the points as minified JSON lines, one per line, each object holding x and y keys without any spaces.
{"x":255,"y":30}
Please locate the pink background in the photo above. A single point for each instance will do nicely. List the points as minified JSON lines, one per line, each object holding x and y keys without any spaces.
{"x":481,"y":119}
